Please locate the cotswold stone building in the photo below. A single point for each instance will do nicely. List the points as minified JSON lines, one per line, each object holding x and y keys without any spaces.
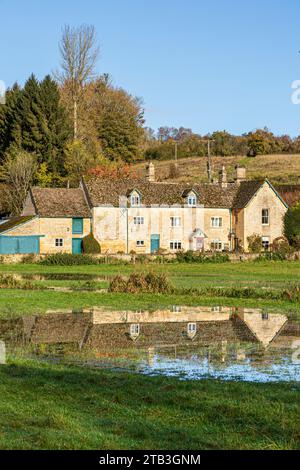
{"x":145,"y":216}
{"x":52,"y":221}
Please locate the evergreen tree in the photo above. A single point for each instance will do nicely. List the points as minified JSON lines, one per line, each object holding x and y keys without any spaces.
{"x":32,"y":118}
{"x":10,"y":121}
{"x":55,"y":125}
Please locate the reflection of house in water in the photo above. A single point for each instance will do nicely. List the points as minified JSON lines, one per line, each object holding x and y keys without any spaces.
{"x":99,"y":330}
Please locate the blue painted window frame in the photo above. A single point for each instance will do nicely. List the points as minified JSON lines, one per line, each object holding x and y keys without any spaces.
{"x":77,"y":226}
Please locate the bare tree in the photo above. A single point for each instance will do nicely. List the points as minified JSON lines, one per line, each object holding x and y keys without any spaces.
{"x":18,"y":172}
{"x":79,"y":54}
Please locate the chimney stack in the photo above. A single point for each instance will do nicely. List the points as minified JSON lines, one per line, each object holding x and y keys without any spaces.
{"x":150,"y":172}
{"x":240,"y":174}
{"x":223,"y":177}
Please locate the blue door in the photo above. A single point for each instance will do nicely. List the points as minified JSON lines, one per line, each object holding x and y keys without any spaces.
{"x":76,"y":246}
{"x":15,"y":245}
{"x":155,"y":239}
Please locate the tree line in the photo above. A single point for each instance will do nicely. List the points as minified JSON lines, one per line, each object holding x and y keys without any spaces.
{"x":160,"y":144}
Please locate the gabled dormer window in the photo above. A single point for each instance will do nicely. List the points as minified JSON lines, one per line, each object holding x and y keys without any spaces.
{"x":192,"y":199}
{"x":135,"y":199}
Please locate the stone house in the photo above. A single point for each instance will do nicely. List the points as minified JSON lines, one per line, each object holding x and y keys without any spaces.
{"x":52,"y":221}
{"x":145,"y":216}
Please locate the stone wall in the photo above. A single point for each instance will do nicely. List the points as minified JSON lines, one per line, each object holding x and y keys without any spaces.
{"x":115,"y":230}
{"x":50,"y":229}
{"x":251,"y":221}
{"x":217,"y":233}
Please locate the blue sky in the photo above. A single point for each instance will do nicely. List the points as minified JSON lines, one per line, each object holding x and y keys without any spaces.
{"x":222,"y":64}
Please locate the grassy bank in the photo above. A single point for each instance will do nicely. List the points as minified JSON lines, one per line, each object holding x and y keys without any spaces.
{"x":79,"y":408}
{"x":228,"y":277}
{"x":263,"y":274}
{"x":14,"y":302}
{"x":278,"y":168}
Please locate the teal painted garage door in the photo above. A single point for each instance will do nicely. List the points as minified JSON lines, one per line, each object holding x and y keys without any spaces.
{"x":19,"y":245}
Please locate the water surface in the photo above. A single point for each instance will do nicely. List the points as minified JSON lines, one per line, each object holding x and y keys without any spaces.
{"x":185,"y":342}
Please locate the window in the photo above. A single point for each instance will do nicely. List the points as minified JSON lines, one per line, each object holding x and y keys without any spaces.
{"x":216,"y":222}
{"x":216,"y":308}
{"x":175,"y":221}
{"x":216,"y":245}
{"x":265,"y":316}
{"x":77,"y":226}
{"x":265,"y":216}
{"x":192,"y":200}
{"x":191,"y":329}
{"x":138,"y":220}
{"x":135,"y":200}
{"x":176,"y":308}
{"x":134,"y":330}
{"x":265,"y":243}
{"x":175,"y":245}
{"x":59,"y":242}
{"x":140,"y":243}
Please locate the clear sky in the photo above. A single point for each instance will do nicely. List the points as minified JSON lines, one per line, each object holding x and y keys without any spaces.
{"x":208,"y":65}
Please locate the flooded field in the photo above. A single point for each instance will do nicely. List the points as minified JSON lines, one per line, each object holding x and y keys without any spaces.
{"x":187,"y":342}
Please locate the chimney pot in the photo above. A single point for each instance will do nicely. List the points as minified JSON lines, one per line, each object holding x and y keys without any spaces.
{"x":223,"y":177}
{"x":240,"y":174}
{"x":150,"y":172}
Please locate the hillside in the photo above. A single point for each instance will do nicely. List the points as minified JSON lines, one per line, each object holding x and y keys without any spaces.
{"x":280,"y":169}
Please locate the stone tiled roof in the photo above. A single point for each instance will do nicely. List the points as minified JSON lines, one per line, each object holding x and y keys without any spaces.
{"x":104,"y":191}
{"x":245,"y":192}
{"x":14,"y":222}
{"x":60,"y":202}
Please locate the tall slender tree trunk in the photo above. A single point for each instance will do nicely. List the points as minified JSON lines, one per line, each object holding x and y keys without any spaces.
{"x":75,"y":118}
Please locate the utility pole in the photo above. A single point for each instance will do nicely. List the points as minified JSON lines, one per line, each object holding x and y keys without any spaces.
{"x":176,"y":153}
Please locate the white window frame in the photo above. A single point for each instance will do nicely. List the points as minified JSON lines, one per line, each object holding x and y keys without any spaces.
{"x":135,"y":200}
{"x":265,"y":216}
{"x":138,"y":220}
{"x":176,"y":309}
{"x":59,"y":242}
{"x":175,"y":245}
{"x":265,"y":243}
{"x":216,"y":242}
{"x":175,"y":221}
{"x":191,"y":329}
{"x":140,"y":243}
{"x":134,"y":330}
{"x":192,"y":200}
{"x":216,"y":222}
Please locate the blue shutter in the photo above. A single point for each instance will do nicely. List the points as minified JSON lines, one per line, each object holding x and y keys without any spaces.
{"x":77,"y":226}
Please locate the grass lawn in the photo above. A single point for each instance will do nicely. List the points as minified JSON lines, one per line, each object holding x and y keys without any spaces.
{"x":276,"y":275}
{"x":183,"y":275}
{"x":14,"y":302}
{"x":46,"y":406}
{"x":54,"y":406}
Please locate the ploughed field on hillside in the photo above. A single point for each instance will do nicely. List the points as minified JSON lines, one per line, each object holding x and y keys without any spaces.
{"x":280,"y":169}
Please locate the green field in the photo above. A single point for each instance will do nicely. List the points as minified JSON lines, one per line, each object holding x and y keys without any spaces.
{"x":257,"y":275}
{"x":51,"y":406}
